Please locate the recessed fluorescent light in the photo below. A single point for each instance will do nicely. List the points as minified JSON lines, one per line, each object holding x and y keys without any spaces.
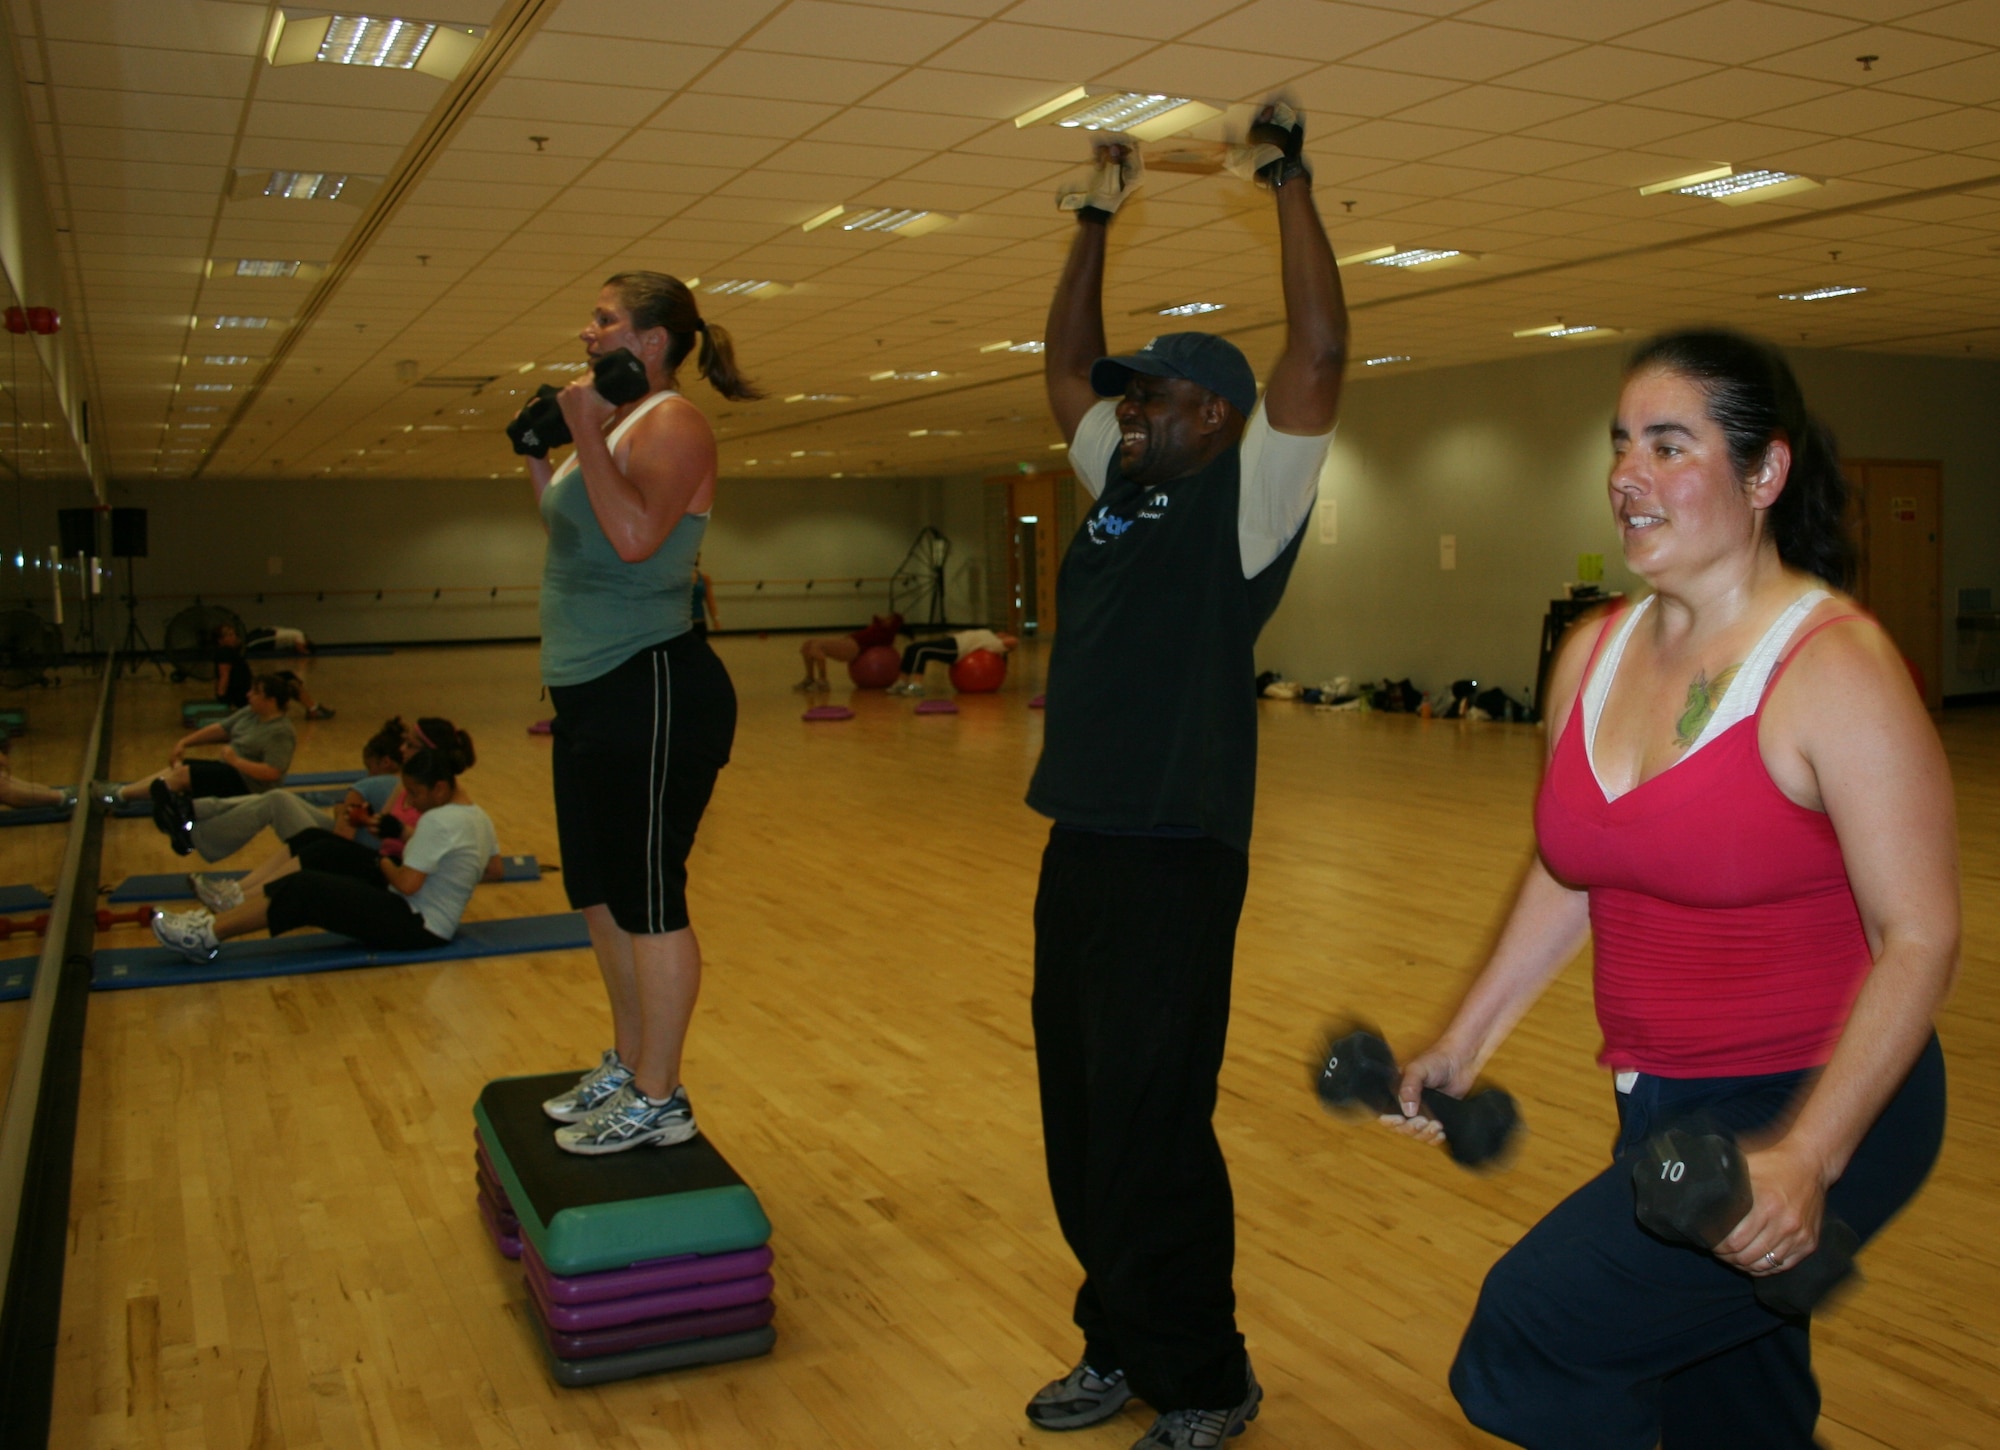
{"x":252,"y":322}
{"x":903,"y":221}
{"x":1373,"y":254}
{"x":251,"y":267}
{"x":306,"y":185}
{"x":1415,"y":257}
{"x":381,"y":41}
{"x":195,"y":427}
{"x":1377,"y":362}
{"x":1142,"y":115}
{"x":201,"y":410}
{"x":1820,"y":294}
{"x":1011,"y":346}
{"x":906,"y":376}
{"x":822,"y":397}
{"x":1028,"y":347}
{"x":566,"y":367}
{"x":1693,"y":178}
{"x":1749,"y":186}
{"x":1192,"y":309}
{"x":748,"y":288}
{"x":224,"y":360}
{"x":832,"y":213}
{"x":1059,"y":448}
{"x":215,"y":387}
{"x":1558,"y":329}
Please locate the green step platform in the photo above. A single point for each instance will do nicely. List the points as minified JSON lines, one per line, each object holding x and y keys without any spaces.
{"x":587,"y":1214}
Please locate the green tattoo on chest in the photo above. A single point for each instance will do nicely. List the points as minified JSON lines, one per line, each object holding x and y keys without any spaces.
{"x":1704,"y":696}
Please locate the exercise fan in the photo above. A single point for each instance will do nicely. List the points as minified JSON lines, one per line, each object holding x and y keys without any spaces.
{"x":30,"y":647}
{"x":190,"y":642}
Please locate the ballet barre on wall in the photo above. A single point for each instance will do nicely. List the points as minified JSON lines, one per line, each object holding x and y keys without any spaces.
{"x":756,"y":586}
{"x":320,"y":596}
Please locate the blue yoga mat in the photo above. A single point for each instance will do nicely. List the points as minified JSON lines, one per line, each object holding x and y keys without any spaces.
{"x":128,"y":810}
{"x":23,"y":898}
{"x":17,"y":977}
{"x":35,"y":816}
{"x":323,"y":777}
{"x":286,"y":956}
{"x":173,"y":886}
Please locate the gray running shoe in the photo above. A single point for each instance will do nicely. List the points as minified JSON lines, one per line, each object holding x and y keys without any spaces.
{"x":631,"y":1120}
{"x":216,"y":892}
{"x":1081,"y":1397}
{"x":592,"y":1091}
{"x":191,"y":933}
{"x":1202,"y":1429}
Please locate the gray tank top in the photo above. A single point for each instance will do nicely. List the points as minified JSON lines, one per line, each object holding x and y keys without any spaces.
{"x":597,"y":610}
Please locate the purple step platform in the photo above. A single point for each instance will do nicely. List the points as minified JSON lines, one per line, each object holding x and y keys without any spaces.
{"x":648,"y":1333}
{"x":658,"y":1276}
{"x":684,"y":1354}
{"x":504,"y":1227}
{"x":573,"y":1318}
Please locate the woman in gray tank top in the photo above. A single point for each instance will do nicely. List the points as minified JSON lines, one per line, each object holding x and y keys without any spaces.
{"x":644,"y":710}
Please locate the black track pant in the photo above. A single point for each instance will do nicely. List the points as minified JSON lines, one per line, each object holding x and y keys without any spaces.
{"x":1135,"y":937}
{"x":1591,"y":1334}
{"x":350,"y":904}
{"x":920,"y":654}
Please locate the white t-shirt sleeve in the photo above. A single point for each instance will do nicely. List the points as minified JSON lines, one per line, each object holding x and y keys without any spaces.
{"x":1096,"y":440}
{"x":1280,"y":484}
{"x":436,"y":834}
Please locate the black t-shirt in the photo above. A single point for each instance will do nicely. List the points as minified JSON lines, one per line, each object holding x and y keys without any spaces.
{"x":1151,"y":720}
{"x":236,"y":694}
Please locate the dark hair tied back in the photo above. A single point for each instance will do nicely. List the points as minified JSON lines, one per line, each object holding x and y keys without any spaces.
{"x":435,"y":733}
{"x":432,"y":767}
{"x":656,"y":300}
{"x":1754,"y":399}
{"x":282,"y":687}
{"x":387,"y":743}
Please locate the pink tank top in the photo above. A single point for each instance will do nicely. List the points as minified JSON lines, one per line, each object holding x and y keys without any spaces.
{"x":1726,"y":937}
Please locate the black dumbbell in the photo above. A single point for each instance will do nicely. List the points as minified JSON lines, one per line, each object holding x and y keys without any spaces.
{"x":1357,"y":1070}
{"x":619,"y":378}
{"x":1692,"y":1187}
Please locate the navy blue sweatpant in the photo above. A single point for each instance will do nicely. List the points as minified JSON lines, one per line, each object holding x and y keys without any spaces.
{"x":1591,"y":1334}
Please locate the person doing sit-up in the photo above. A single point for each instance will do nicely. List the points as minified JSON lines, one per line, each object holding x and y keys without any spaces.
{"x":257,"y":745}
{"x":881,"y":630}
{"x":387,"y":905}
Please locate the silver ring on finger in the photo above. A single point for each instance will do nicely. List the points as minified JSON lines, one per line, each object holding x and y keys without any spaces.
{"x":1774,"y":1261}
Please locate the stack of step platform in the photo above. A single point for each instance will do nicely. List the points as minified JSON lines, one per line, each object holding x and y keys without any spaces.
{"x":636,"y":1262}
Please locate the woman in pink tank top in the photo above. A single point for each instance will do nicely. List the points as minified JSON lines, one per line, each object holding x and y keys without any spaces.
{"x":1748,"y":813}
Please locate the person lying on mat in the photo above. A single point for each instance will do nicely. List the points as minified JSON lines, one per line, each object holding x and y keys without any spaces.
{"x":257,"y":746}
{"x":303,"y":830}
{"x":386,"y":905}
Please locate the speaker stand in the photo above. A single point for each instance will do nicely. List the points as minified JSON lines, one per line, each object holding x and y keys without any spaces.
{"x":136,"y":647}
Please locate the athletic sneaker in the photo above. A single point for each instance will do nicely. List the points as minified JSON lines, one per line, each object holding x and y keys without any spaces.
{"x":631,"y":1120}
{"x":1081,"y":1397}
{"x":191,"y":933}
{"x":1201,"y":1429}
{"x":173,"y":813}
{"x":105,"y":794}
{"x":68,"y":801}
{"x":217,"y":893}
{"x":592,"y":1091}
{"x":808,"y":683}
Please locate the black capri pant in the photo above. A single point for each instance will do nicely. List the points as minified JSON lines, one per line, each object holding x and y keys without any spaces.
{"x":1591,"y":1334}
{"x":339,"y":887}
{"x":212,"y":777}
{"x":920,"y":654}
{"x":636,"y":752}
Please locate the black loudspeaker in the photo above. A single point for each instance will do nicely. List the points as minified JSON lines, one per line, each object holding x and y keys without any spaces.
{"x":77,"y":530}
{"x":128,"y":533}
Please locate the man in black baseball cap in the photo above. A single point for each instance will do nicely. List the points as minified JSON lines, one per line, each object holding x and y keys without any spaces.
{"x":1148,"y":770}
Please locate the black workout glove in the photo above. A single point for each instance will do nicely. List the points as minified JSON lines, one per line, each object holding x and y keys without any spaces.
{"x":1272,"y":153}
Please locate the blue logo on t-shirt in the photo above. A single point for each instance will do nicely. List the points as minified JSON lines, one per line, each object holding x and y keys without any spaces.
{"x":1105,"y":527}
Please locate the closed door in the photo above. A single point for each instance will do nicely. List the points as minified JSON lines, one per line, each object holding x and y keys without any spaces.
{"x":1034,"y":557}
{"x":1900,"y":580}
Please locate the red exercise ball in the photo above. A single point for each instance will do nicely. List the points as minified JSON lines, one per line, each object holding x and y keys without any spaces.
{"x":979,"y":673}
{"x":876,"y":668}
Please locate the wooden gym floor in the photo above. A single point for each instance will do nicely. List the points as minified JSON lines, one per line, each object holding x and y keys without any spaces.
{"x":274,"y":1242}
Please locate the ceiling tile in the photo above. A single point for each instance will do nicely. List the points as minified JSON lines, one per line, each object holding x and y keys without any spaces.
{"x":1351,"y":90}
{"x":1522,"y":154}
{"x":1896,"y":53}
{"x":689,"y":22}
{"x":289,"y":121}
{"x":1606,"y":73}
{"x":209,"y":115}
{"x":508,"y":134}
{"x":1624,"y":126}
{"x":1736,"y":31}
{"x":1598,"y":20}
{"x":1929,"y":171}
{"x":1969,"y":82}
{"x":1395,"y":140}
{"x":1974,"y":20}
{"x":1463,"y":52}
{"x":349,"y":85}
{"x":552,"y":102}
{"x":1734,"y":94}
{"x":1955,"y":130}
{"x":1037,"y":53}
{"x":156,"y":72}
{"x":793,"y":78}
{"x":1853,"y":110}
{"x":1157,"y":20}
{"x":867,"y":126}
{"x":646,"y":64}
{"x":1493,"y":108}
{"x":1206,"y":73}
{"x":165,"y":24}
{"x":1319,"y":29}
{"x":857,"y":32}
{"x":316,"y":154}
{"x":952,"y":93}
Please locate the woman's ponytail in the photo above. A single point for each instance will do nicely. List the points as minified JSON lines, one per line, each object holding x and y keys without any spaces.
{"x":656,"y":300}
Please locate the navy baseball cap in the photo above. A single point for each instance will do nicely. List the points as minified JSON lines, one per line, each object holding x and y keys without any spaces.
{"x":1201,"y":357}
